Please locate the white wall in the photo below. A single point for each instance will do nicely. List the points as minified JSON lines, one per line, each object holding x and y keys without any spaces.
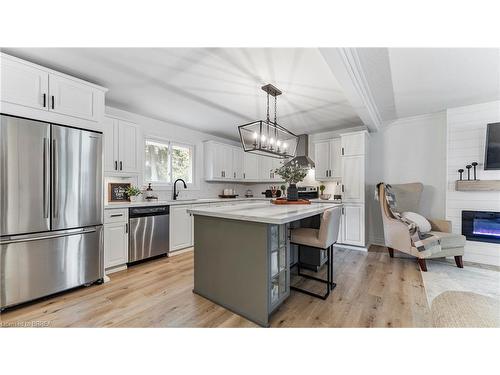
{"x":161,"y":129}
{"x":411,"y":149}
{"x":466,"y":127}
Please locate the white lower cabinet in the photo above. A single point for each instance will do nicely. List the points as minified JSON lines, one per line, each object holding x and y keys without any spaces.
{"x":181,"y":227}
{"x":115,"y":244}
{"x":115,"y":237}
{"x":353,"y":225}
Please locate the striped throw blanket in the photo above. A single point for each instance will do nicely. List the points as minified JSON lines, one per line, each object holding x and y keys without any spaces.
{"x":421,"y":241}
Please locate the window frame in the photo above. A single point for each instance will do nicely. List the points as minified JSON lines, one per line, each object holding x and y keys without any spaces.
{"x":170,"y":143}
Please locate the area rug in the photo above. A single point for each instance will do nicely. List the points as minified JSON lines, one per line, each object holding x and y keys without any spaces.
{"x":467,"y":297}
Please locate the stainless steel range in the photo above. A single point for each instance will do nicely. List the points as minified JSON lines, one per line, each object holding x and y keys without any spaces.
{"x":51,"y":208}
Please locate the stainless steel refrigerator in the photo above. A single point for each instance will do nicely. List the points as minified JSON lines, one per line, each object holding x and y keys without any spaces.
{"x":51,"y":209}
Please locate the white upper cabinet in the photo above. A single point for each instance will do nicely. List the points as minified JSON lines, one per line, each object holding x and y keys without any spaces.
{"x":327,"y":158}
{"x":120,"y":146}
{"x":353,"y":144}
{"x":224,"y":162}
{"x":322,"y":159}
{"x":33,"y":91}
{"x":23,"y":84}
{"x":265,"y":168}
{"x":250,"y":166}
{"x":237,"y":165}
{"x":353,"y":178}
{"x":127,"y":147}
{"x":72,"y":98}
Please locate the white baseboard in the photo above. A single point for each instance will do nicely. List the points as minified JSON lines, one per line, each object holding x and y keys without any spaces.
{"x":116,"y":269}
{"x":350,"y":247}
{"x":181,"y":251}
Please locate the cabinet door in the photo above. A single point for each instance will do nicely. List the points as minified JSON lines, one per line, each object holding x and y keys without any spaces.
{"x":335,"y":158}
{"x":24,"y":85}
{"x":227,"y":152}
{"x":72,"y":98}
{"x":237,"y":165}
{"x":353,"y":178}
{"x":354,"y":225}
{"x":322,"y":160}
{"x":181,"y":227}
{"x":110,"y":126}
{"x":250,"y":166}
{"x":127,"y":147}
{"x":275,"y":164}
{"x":115,"y":244}
{"x":265,"y":167}
{"x":353,"y":144}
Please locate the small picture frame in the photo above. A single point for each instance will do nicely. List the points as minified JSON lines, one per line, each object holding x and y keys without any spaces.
{"x":116,"y":192}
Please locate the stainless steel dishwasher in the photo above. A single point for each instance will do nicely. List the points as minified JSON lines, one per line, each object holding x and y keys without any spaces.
{"x":149,"y":232}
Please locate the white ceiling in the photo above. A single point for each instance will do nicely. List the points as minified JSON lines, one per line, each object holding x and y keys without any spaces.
{"x":209,"y":89}
{"x":427,"y":80}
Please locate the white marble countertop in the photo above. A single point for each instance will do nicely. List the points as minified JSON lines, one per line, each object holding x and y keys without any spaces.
{"x":179,"y":202}
{"x":264,"y":213}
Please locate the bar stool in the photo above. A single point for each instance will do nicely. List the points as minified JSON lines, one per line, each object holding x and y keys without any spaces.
{"x":322,"y":239}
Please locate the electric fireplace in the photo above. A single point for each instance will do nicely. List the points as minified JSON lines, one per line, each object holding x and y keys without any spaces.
{"x":483,"y":226}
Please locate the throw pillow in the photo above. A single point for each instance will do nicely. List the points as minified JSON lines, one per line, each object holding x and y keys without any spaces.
{"x":422,"y":223}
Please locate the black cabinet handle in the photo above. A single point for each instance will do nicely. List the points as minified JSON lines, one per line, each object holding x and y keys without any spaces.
{"x":44,"y":100}
{"x":52,"y":101}
{"x":342,"y":150}
{"x":116,"y":165}
{"x":115,"y":215}
{"x":121,"y":166}
{"x":244,"y":175}
{"x":342,"y":188}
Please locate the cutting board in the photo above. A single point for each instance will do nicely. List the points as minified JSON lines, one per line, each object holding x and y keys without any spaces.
{"x":284,"y":201}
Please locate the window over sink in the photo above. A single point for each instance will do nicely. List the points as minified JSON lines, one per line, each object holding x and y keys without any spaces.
{"x":165,"y":161}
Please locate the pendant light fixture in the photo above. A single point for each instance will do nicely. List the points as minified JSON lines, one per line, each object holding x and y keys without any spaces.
{"x":266,"y":137}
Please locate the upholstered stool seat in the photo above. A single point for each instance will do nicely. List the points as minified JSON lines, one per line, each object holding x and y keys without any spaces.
{"x":321,"y":239}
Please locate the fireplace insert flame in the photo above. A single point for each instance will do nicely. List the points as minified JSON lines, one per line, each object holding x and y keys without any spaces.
{"x":483,"y":226}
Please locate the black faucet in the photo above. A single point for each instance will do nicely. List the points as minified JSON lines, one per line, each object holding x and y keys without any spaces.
{"x":176,"y":193}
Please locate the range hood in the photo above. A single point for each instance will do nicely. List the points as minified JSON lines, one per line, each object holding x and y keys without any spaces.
{"x":301,"y":154}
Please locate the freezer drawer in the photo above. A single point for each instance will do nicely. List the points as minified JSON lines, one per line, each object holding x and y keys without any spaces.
{"x":39,"y":265}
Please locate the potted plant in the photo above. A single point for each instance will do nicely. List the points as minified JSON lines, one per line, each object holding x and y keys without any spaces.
{"x":133,"y":193}
{"x":292,"y":173}
{"x":322,"y":194}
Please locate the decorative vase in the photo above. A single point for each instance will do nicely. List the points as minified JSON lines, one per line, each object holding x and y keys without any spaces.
{"x":292,"y":193}
{"x":134,"y":198}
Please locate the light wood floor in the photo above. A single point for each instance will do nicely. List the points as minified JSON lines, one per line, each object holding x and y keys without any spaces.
{"x":373,"y":290}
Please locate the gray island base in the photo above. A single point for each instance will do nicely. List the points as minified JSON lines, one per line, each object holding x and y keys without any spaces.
{"x":242,"y":260}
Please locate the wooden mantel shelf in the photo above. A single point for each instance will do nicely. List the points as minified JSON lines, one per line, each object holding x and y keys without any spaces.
{"x":478,"y":185}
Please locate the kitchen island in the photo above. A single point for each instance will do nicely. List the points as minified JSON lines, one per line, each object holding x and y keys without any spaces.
{"x":242,"y":255}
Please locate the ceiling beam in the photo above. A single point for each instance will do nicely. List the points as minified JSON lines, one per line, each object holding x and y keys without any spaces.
{"x":365,"y":77}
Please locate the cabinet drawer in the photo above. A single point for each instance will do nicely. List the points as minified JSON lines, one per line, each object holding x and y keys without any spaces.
{"x":115,"y":215}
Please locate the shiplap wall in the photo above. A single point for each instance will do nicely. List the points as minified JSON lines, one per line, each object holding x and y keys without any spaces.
{"x":466,"y":136}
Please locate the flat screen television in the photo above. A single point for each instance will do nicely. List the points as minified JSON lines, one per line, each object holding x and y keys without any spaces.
{"x":492,"y":156}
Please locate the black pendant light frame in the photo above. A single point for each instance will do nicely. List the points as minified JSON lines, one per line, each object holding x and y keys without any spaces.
{"x":259,"y":145}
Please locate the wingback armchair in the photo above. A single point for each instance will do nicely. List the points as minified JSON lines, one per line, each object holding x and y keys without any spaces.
{"x":397,"y":236}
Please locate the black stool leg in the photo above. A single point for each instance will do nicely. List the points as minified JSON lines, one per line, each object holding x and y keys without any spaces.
{"x":330,"y":285}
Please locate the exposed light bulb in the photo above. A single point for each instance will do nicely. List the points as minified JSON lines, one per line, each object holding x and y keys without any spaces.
{"x":271,"y":141}
{"x":255,"y":135}
{"x":263,"y":138}
{"x":278,"y":143}
{"x":285,"y":145}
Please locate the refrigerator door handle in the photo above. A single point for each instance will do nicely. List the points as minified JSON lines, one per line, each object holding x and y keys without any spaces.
{"x":46,"y":177}
{"x":55,"y":180}
{"x":37,"y":238}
